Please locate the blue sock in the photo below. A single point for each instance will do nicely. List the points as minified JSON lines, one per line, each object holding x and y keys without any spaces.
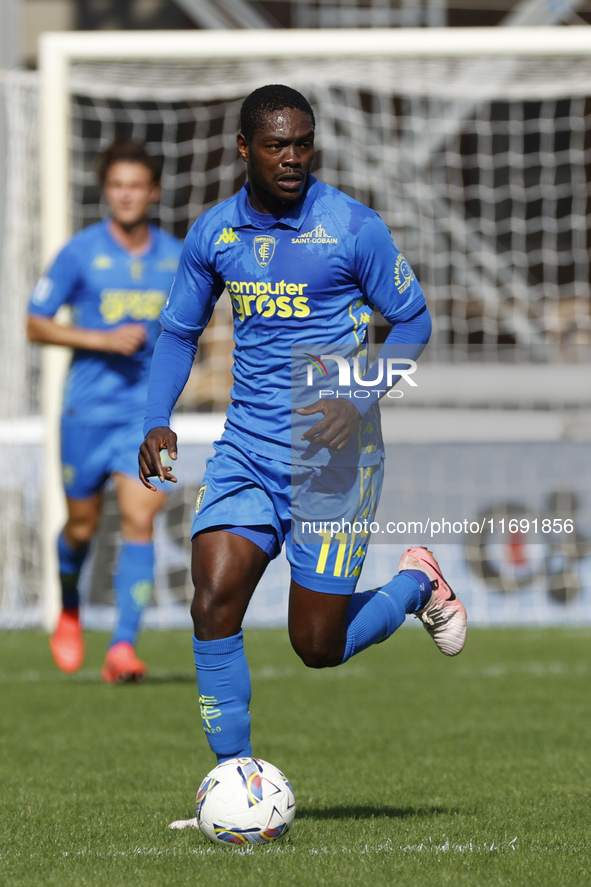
{"x":70,"y":563}
{"x":134,"y":583}
{"x":224,"y":695}
{"x":425,"y":590}
{"x":374,"y":615}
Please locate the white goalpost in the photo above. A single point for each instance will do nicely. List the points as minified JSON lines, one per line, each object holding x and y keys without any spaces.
{"x":473,"y":145}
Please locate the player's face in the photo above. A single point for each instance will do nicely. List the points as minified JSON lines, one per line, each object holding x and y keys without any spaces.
{"x":279,"y":159}
{"x":130,"y":191}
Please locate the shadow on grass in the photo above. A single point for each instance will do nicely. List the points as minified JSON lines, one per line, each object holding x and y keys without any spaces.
{"x":370,"y":811}
{"x":152,"y":677}
{"x":93,"y":677}
{"x":169,"y":677}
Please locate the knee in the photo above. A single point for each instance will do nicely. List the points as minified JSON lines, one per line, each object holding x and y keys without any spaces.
{"x":200,"y":614}
{"x":315,"y":654}
{"x":79,"y":532}
{"x":137,"y":528}
{"x":212,"y":615}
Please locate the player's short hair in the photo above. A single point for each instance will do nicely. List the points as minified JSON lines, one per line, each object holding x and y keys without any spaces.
{"x":128,"y":151}
{"x":267,"y":100}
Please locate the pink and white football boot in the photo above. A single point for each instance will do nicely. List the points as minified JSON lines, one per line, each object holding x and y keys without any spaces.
{"x":444,"y":616}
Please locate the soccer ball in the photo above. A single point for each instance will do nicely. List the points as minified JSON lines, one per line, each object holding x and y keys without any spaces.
{"x":245,"y":801}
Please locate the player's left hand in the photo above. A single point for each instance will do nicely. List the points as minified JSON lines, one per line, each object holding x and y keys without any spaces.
{"x":340,"y":422}
{"x":150,"y":463}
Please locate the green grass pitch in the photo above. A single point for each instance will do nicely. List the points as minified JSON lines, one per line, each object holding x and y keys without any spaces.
{"x":408,"y":768}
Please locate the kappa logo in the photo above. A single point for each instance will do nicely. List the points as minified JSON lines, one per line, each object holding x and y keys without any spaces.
{"x":228,"y":235}
{"x":317,"y":235}
{"x":264,"y":249}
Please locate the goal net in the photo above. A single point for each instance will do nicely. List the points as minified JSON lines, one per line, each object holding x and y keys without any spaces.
{"x":478,"y":164}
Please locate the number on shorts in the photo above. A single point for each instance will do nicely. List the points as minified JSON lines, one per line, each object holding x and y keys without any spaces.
{"x":324,"y":549}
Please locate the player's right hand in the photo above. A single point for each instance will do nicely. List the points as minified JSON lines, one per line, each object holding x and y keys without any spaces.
{"x":126,"y":339}
{"x":157,"y":439}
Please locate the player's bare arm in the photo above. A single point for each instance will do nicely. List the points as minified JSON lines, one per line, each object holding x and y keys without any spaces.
{"x":157,"y":439}
{"x":125,"y":339}
{"x":340,"y":423}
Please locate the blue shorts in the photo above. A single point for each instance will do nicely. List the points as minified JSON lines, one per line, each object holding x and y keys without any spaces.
{"x":271,"y":502}
{"x":92,"y":453}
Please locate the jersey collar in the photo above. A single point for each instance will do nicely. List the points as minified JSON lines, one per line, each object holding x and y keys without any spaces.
{"x":150,"y":247}
{"x":293,"y":218}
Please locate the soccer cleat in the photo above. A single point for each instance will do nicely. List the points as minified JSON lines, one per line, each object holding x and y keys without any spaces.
{"x":66,"y":643}
{"x":444,"y":616}
{"x":122,"y":665}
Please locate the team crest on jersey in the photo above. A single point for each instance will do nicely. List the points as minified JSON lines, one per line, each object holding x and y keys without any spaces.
{"x":317,"y":235}
{"x":264,"y":249}
{"x":136,"y":269}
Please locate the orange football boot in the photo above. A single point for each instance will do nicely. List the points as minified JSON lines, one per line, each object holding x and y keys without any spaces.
{"x":66,"y":643}
{"x":122,"y":665}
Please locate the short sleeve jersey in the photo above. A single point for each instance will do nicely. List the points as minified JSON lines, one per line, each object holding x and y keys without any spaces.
{"x":105,"y":287}
{"x":313,"y":274}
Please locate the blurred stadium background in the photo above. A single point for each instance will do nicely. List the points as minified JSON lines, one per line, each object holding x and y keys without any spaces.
{"x":482,"y":170}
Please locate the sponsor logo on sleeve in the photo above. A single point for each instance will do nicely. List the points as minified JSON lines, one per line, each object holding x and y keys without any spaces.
{"x":403,"y":274}
{"x":42,"y":290}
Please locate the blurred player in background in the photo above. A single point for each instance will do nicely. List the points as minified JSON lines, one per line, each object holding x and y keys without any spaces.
{"x":115,"y":276}
{"x":303,"y":263}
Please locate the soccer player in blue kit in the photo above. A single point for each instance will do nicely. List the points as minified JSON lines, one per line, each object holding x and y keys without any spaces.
{"x":115,"y":276}
{"x":302,"y":263}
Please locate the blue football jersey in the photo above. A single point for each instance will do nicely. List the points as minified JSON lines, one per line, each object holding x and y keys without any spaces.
{"x":105,"y":287}
{"x":311,"y":275}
